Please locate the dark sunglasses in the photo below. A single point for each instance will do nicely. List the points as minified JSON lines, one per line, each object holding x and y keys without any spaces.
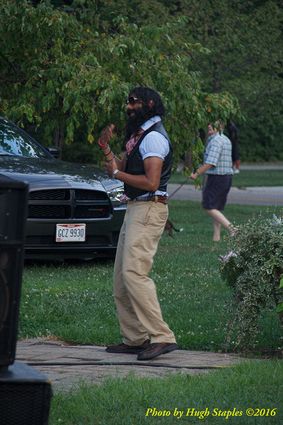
{"x":132,"y":100}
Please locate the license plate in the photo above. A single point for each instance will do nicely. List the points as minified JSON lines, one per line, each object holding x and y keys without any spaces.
{"x":70,"y":232}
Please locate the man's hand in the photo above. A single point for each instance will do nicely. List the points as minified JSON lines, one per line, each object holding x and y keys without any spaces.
{"x":201,"y":170}
{"x":105,"y":136}
{"x":194,"y":176}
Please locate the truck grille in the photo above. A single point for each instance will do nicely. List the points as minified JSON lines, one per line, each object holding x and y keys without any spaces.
{"x":50,"y":195}
{"x":68,"y":204}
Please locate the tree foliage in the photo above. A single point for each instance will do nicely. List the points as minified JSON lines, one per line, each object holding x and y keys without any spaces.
{"x":66,"y":67}
{"x":246,"y":57}
{"x":66,"y":71}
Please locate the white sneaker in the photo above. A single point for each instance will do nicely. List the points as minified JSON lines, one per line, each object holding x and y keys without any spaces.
{"x":236,"y":170}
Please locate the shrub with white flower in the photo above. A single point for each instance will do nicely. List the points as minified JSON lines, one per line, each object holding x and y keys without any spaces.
{"x":253,"y":268}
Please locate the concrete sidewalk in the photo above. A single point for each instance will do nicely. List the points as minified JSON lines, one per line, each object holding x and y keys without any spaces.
{"x":272,"y":196}
{"x":67,"y":365}
{"x":262,"y":166}
{"x":269,"y":196}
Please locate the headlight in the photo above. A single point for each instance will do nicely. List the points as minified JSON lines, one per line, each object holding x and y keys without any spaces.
{"x":117,"y":196}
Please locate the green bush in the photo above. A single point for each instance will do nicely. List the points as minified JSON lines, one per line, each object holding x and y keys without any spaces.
{"x":253,"y":268}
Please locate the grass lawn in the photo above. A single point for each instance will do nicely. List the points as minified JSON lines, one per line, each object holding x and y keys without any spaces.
{"x":74,"y":302}
{"x":256,"y":385}
{"x":246,"y":178}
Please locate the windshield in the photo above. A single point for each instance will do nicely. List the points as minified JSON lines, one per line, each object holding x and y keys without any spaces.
{"x":14,"y":141}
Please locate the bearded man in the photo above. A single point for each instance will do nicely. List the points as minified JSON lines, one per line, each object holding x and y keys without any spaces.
{"x":145,"y":170}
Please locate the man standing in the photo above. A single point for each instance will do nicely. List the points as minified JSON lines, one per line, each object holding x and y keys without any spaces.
{"x":218,"y":169}
{"x":145,"y":170}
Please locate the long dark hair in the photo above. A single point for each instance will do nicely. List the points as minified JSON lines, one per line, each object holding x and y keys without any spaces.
{"x":146,"y":112}
{"x":146,"y":94}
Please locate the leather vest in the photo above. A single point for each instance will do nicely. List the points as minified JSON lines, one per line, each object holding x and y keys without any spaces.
{"x":134,"y":164}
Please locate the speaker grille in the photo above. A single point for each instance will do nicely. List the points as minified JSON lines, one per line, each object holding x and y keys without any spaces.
{"x":25,"y":396}
{"x":4,"y":298}
{"x":13,"y":210}
{"x":10,"y":289}
{"x":24,"y":404}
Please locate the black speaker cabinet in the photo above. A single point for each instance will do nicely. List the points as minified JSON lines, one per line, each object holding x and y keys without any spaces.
{"x":13,"y":212}
{"x":25,"y":396}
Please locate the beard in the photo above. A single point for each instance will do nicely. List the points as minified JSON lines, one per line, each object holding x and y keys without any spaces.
{"x":136,"y":118}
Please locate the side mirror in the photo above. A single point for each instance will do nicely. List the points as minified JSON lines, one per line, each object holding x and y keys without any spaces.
{"x":55,"y":152}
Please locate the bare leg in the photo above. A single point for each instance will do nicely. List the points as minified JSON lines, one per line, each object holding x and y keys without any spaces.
{"x":216,"y":231}
{"x":220,"y":218}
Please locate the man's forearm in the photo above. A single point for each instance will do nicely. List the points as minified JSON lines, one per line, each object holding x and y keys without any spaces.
{"x":138,"y":181}
{"x":203,"y":168}
{"x":121,"y":163}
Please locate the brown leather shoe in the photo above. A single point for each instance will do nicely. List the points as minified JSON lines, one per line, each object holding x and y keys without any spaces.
{"x":127,"y":349}
{"x":156,"y":349}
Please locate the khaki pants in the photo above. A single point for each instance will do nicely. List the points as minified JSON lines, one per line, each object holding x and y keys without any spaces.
{"x":135,"y":295}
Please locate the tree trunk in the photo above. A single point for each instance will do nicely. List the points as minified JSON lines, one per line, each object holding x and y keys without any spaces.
{"x":59,"y":136}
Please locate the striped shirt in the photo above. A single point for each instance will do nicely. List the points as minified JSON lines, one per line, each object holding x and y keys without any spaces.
{"x":218,"y":153}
